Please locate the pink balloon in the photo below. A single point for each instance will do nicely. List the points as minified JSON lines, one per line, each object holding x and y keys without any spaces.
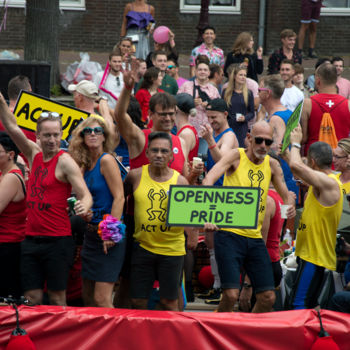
{"x":161,"y":34}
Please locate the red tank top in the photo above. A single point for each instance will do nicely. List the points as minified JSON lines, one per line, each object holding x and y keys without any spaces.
{"x":177,"y":163}
{"x":13,"y":219}
{"x":194,"y":151}
{"x":276,"y":224}
{"x":47,"y":200}
{"x":334,"y":104}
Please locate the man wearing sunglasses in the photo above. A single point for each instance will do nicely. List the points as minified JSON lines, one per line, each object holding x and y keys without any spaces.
{"x":236,"y":248}
{"x":173,"y":71}
{"x":47,"y":251}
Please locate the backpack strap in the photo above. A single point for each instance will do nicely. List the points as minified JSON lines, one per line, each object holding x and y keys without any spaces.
{"x":332,"y":108}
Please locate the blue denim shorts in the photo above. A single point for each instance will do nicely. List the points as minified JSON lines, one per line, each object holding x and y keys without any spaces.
{"x":234,"y":252}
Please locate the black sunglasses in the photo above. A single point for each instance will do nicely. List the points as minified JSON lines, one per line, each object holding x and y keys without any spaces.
{"x":118,"y":81}
{"x":259,"y":141}
{"x":98,"y":130}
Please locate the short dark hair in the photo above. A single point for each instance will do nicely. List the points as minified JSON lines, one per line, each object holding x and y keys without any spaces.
{"x":163,"y":99}
{"x":321,"y":153}
{"x":135,"y":113}
{"x":208,"y":27}
{"x":159,"y":135}
{"x":287,"y":61}
{"x":298,"y":68}
{"x":16,"y":84}
{"x":202,"y":59}
{"x":8,"y":145}
{"x":336,"y":59}
{"x":150,"y":76}
{"x":158,"y":53}
{"x":327,"y":73}
{"x":214,"y":68}
{"x":321,"y":61}
{"x":115,"y":52}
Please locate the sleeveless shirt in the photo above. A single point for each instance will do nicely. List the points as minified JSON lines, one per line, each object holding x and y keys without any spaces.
{"x":177,"y":163}
{"x":249,"y":174}
{"x":316,"y":235}
{"x":194,"y":151}
{"x":47,"y":200}
{"x":151,"y":200}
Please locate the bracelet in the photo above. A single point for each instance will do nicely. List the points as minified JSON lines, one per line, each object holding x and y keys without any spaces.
{"x":111,"y":229}
{"x":213,"y":146}
{"x":128,"y":87}
{"x":246,"y":285}
{"x":295,"y":144}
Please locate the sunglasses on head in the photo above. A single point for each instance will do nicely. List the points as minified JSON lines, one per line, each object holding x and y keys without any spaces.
{"x":98,"y":130}
{"x":49,"y":115}
{"x":260,"y":140}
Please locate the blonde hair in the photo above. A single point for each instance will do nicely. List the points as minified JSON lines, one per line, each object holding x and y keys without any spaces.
{"x":240,"y":45}
{"x":231,"y":86}
{"x":77,"y":147}
{"x":344,"y":144}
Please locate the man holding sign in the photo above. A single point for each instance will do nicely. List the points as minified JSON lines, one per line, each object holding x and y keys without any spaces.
{"x":47,"y":251}
{"x":158,"y":251}
{"x":236,"y":248}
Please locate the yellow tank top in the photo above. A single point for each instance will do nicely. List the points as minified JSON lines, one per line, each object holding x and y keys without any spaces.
{"x":151,"y":201}
{"x":316,"y":235}
{"x":249,"y":174}
{"x":346,"y":186}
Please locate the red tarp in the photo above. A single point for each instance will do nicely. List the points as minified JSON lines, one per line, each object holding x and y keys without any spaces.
{"x":69,"y":328}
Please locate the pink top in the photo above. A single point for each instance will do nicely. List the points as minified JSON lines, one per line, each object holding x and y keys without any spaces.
{"x":201,"y":117}
{"x":344,"y":87}
{"x":180,"y":81}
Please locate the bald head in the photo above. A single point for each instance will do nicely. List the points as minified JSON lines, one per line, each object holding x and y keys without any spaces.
{"x":262,"y":127}
{"x":327,"y":74}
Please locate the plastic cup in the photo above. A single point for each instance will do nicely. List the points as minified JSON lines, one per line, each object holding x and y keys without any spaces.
{"x":238,"y":115}
{"x":161,"y":34}
{"x":196,"y":161}
{"x":284,"y":209}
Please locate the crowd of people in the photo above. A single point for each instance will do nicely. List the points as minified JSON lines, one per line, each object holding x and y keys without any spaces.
{"x":166,"y":130}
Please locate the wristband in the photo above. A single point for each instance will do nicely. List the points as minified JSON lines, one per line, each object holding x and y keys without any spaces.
{"x":213,"y":146}
{"x":128,"y":87}
{"x":297,"y":145}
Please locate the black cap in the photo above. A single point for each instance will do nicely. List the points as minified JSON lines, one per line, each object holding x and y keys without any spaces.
{"x":218,"y":104}
{"x":185,"y":102}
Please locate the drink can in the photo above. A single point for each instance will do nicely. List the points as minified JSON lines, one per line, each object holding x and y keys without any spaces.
{"x":71,"y":201}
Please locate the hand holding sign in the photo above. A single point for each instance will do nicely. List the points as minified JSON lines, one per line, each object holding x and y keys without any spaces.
{"x":296,"y":135}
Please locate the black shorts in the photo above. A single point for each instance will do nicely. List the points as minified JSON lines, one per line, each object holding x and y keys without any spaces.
{"x":46,"y":259}
{"x":234,"y":252}
{"x":10,"y":281}
{"x":146,"y":267}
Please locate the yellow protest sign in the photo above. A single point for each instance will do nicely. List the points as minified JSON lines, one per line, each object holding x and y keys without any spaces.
{"x":29,"y":107}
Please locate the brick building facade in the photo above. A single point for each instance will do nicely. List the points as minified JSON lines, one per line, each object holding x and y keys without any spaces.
{"x":97,"y":28}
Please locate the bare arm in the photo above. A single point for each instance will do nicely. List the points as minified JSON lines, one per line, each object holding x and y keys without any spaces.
{"x":123,"y":29}
{"x":221,"y":167}
{"x":10,"y":188}
{"x":279,"y":129}
{"x":27,"y":147}
{"x":107,"y":116}
{"x":130,"y":132}
{"x":269,"y":213}
{"x":192,"y":71}
{"x":304,"y":120}
{"x":67,"y":170}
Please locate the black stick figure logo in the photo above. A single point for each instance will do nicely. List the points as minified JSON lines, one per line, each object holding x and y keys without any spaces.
{"x":256,"y":179}
{"x":37,"y":189}
{"x":156,"y":209}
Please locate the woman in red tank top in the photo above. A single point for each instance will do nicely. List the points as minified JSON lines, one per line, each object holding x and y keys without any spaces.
{"x":12,"y":216}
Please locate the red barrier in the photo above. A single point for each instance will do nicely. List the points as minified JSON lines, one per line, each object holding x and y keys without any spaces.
{"x":57,"y":328}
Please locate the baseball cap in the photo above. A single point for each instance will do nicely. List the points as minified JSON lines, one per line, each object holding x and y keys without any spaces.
{"x":86,"y":88}
{"x":217,"y":104}
{"x":185,"y":103}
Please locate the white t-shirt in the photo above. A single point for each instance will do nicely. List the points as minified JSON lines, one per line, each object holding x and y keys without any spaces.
{"x":113,"y":83}
{"x":292,"y":97}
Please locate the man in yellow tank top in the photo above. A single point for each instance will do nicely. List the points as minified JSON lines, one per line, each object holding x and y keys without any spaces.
{"x":158,"y":250}
{"x":237,"y":248}
{"x":316,"y":236}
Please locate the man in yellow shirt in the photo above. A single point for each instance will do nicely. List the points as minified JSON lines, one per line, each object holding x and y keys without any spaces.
{"x":316,"y":236}
{"x":158,"y":251}
{"x":237,"y":248}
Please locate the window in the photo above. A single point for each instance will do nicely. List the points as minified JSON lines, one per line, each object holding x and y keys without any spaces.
{"x":215,"y":6}
{"x":335,"y":8}
{"x":64,"y":4}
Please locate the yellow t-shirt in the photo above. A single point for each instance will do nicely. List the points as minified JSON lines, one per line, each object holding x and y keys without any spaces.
{"x":346,"y":186}
{"x":316,"y":235}
{"x":249,"y":174}
{"x":151,"y":201}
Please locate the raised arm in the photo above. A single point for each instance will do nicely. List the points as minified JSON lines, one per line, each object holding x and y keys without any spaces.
{"x":130,"y":132}
{"x":221,"y":167}
{"x":108,"y":117}
{"x":27,"y":147}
